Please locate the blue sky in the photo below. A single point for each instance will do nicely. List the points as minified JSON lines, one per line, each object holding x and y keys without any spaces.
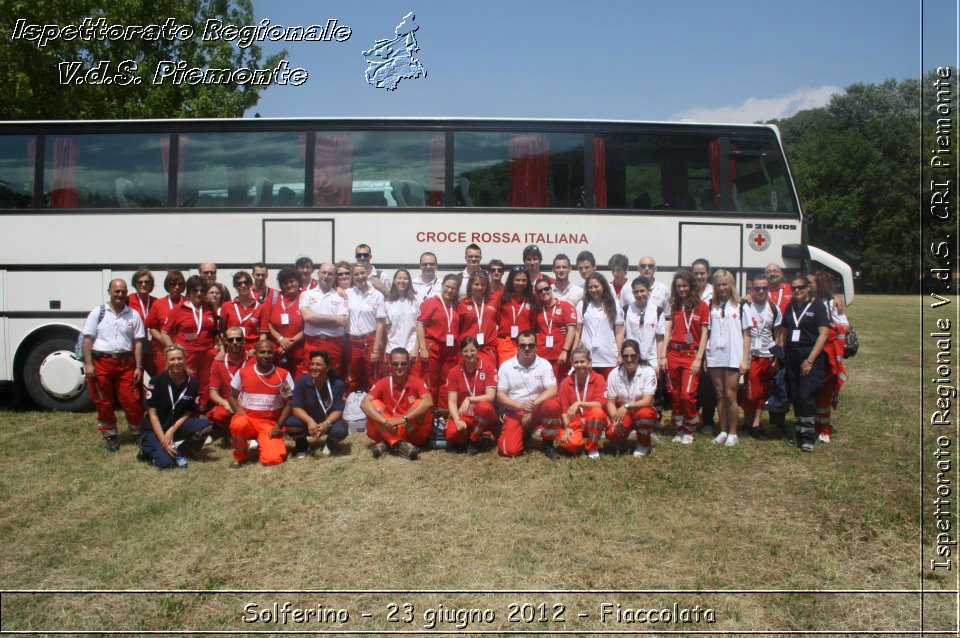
{"x":646,"y":60}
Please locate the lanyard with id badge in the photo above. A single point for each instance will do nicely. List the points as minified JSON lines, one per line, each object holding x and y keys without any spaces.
{"x":795,"y":334}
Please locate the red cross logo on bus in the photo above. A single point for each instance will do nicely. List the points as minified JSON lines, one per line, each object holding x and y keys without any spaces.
{"x":759,"y":239}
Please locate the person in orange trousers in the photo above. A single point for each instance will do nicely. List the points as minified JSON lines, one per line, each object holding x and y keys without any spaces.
{"x":583,"y":400}
{"x":630,"y":392}
{"x":471,"y":390}
{"x":399,"y":410}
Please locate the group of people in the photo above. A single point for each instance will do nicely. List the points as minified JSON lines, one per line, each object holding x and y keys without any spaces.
{"x":500,"y":354}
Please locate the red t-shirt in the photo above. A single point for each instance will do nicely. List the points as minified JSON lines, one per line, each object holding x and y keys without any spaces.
{"x":247,"y":318}
{"x":781,"y":296}
{"x":401,"y":398}
{"x":137,"y":306}
{"x":438,"y":321}
{"x":596,"y":390}
{"x":222,"y":373}
{"x":514,"y":313}
{"x":272,"y":315}
{"x":472,"y":384}
{"x":562,"y":314}
{"x":699,"y":319}
{"x":261,"y":395}
{"x":470,"y":314}
{"x":194,"y":329}
{"x":159,"y":310}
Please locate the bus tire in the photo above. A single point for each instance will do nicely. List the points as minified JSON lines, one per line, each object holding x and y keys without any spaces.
{"x":53,"y":378}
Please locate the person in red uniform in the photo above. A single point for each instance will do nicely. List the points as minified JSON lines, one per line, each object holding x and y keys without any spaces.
{"x":112,"y":350}
{"x":437,"y":327}
{"x":261,"y":291}
{"x":556,"y":323}
{"x":174,"y":284}
{"x":244,"y":311}
{"x":527,"y":393}
{"x":681,"y":354}
{"x":260,"y":397}
{"x":281,"y":320}
{"x":222,"y":373}
{"x":141,"y":302}
{"x":780,"y":294}
{"x":516,"y":311}
{"x":583,"y":402}
{"x":779,"y":291}
{"x":471,"y":390}
{"x":631,"y":388}
{"x":398,"y":410}
{"x":478,"y":317}
{"x":193,"y":325}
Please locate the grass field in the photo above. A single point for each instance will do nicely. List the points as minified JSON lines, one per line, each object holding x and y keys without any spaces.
{"x":758,"y":518}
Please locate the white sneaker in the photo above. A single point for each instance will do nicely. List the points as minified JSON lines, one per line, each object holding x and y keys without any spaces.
{"x":678,"y":438}
{"x":824,"y":438}
{"x":720,"y":438}
{"x":641,"y":450}
{"x":253,"y":444}
{"x":732,"y":440}
{"x":208,"y":440}
{"x":593,"y":455}
{"x":325,"y":451}
{"x":686,"y":439}
{"x":654,"y":439}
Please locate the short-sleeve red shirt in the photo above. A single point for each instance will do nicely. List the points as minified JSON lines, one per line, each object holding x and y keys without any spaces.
{"x":470,"y":313}
{"x":222,"y":373}
{"x":248,"y":319}
{"x":181,"y":325}
{"x":596,"y":390}
{"x":550,"y":321}
{"x":400,"y":398}
{"x":699,"y":319}
{"x":272,"y":315}
{"x":437,"y":320}
{"x":471,"y":384}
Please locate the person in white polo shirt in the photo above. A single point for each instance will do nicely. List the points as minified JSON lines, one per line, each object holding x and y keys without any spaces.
{"x":368,"y":317}
{"x":112,"y":360}
{"x":325,"y":317}
{"x":527,"y":393}
{"x":563,"y":289}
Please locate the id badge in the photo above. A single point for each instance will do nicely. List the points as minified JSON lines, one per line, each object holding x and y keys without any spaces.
{"x":689,"y":338}
{"x":480,"y":338}
{"x":450,"y":342}
{"x":548,"y":342}
{"x":795,"y":336}
{"x":471,"y":410}
{"x":514,"y":332}
{"x":284,"y":319}
{"x":190,"y":337}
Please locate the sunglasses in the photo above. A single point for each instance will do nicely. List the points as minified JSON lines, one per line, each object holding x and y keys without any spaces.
{"x":177,"y":284}
{"x":495,"y":269}
{"x":244,"y":284}
{"x":803,"y":287}
{"x":343,"y":274}
{"x":540,"y":291}
{"x":362,"y":255}
{"x":644,"y":266}
{"x":527,"y":346}
{"x":761,"y":288}
{"x":144,"y":282}
{"x":234,"y":340}
{"x":399,"y":364}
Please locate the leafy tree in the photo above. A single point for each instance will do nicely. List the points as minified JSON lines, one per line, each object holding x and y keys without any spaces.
{"x":31,"y":75}
{"x":855,"y":163}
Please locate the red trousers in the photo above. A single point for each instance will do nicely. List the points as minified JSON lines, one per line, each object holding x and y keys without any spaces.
{"x":545,"y":420}
{"x":219,"y":416}
{"x":759,"y":383}
{"x":483,"y":420}
{"x":640,"y":419}
{"x":198,"y":365}
{"x":333,"y":346}
{"x":442,"y":358}
{"x":273,"y":449}
{"x":359,"y":368}
{"x":587,"y":427}
{"x":418,"y":434}
{"x":114,"y":382}
{"x":825,"y":400}
{"x":683,"y":390}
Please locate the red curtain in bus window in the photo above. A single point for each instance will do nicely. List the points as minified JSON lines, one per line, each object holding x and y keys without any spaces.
{"x":181,"y":158}
{"x":529,"y":163}
{"x":599,"y":172}
{"x":63,"y":186}
{"x":31,"y":166}
{"x":713,"y":149}
{"x":435,"y":196}
{"x":332,"y":171}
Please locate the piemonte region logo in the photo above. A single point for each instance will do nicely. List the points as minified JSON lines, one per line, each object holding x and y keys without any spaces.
{"x":390,"y":61}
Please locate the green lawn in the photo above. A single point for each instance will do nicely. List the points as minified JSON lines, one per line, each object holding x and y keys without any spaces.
{"x":760,"y":517}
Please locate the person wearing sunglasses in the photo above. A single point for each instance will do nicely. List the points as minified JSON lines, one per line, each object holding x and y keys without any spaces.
{"x":822,"y":289}
{"x":583,"y":403}
{"x":630,"y":394}
{"x":659,"y":292}
{"x":174,"y":283}
{"x":377,"y":278}
{"x":556,"y":323}
{"x":471,"y":390}
{"x":193,"y":324}
{"x":222,"y":372}
{"x":244,"y":311}
{"x":141,"y":301}
{"x":496,"y":268}
{"x":806,"y":327}
{"x":527,"y":394}
{"x":766,"y":352}
{"x":399,"y":410}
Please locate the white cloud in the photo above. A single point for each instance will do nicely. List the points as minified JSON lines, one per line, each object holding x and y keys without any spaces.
{"x":762,"y":109}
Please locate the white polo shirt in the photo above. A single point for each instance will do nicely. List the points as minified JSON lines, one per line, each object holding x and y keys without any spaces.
{"x":402,"y":324}
{"x":573,"y":295}
{"x":324,"y":303}
{"x":598,"y":335}
{"x":644,"y":326}
{"x":365,"y":308}
{"x":525,"y":383}
{"x":660,"y":295}
{"x":117,"y":332}
{"x":763,"y":318}
{"x":725,"y":343}
{"x":425,"y":290}
{"x":623,"y":390}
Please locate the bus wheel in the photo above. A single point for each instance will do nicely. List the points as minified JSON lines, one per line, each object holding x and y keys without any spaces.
{"x":53,"y":377}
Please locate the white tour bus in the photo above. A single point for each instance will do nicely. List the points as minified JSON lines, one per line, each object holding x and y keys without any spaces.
{"x":84,"y":202}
